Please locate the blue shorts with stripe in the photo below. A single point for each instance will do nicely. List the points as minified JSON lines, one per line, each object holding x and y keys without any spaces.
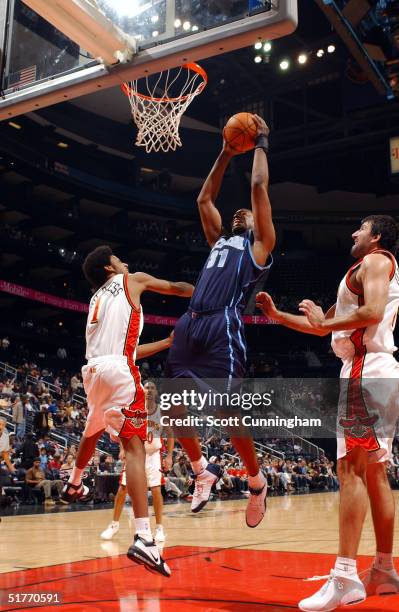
{"x":207,"y":345}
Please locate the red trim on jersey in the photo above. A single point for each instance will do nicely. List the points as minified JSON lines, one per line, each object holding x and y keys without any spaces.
{"x":358,"y":424}
{"x":348,"y":278}
{"x":94,"y":319}
{"x":136,"y":415}
{"x":359,"y":261}
{"x":391,"y":257}
{"x":126,"y":289}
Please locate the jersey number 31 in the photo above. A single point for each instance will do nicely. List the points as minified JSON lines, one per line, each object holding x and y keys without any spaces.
{"x":219,"y":257}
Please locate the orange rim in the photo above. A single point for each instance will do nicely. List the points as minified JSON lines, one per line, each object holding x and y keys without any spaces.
{"x":128,"y":91}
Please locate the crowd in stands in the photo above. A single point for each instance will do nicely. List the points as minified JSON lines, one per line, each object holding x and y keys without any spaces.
{"x":48,"y":411}
{"x":167,"y":232}
{"x":42,"y":467}
{"x":14,"y":233}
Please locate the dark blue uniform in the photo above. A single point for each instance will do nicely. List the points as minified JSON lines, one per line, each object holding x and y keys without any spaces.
{"x":209,"y":340}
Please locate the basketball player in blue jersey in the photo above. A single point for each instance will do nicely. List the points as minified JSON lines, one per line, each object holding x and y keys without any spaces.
{"x":209,"y":339}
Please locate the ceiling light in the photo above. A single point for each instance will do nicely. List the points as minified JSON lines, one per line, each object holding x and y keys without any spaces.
{"x":62,"y":145}
{"x":15,"y":125}
{"x":177,"y":23}
{"x":155,"y":33}
{"x":331,"y":48}
{"x":320,"y":53}
{"x":267,"y":46}
{"x":154,"y":19}
{"x":284,"y":64}
{"x":186,"y":26}
{"x":258,"y":45}
{"x":257,"y":59}
{"x":302,"y":58}
{"x":194,"y":28}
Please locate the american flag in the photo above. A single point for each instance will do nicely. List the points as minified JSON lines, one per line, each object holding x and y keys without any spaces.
{"x":22,"y":77}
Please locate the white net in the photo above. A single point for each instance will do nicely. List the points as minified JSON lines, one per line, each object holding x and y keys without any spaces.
{"x":158,"y":109}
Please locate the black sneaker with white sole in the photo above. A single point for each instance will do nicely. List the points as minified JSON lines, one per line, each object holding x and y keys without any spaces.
{"x":75,"y":493}
{"x":147,"y":554}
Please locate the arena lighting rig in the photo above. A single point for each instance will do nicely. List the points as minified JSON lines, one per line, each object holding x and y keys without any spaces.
{"x":370,"y":30}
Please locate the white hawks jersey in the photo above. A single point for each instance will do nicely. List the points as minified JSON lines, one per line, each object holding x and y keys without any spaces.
{"x":376,"y":338}
{"x":154,"y":431}
{"x":114,"y":323}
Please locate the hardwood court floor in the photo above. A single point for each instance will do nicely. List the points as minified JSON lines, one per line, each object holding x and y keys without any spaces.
{"x":217,"y":562}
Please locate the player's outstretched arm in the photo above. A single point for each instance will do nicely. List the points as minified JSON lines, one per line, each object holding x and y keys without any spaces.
{"x":210,"y":216}
{"x":140,"y":281}
{"x":374,"y":276}
{"x":296,"y":322}
{"x":152,"y":348}
{"x":264,"y":233}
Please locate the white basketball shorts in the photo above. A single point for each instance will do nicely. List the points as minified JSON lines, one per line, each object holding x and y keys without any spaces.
{"x":369,"y":405}
{"x":115,"y":397}
{"x":152,"y":469}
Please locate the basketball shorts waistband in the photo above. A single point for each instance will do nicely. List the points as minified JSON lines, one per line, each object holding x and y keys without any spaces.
{"x":96,"y":360}
{"x":204,"y":313}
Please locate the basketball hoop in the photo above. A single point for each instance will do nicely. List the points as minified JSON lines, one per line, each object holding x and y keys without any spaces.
{"x":157,"y":112}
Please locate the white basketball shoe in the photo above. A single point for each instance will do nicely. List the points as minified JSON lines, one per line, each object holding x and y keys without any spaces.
{"x":203,"y":486}
{"x":110,"y":531}
{"x":337,"y":591}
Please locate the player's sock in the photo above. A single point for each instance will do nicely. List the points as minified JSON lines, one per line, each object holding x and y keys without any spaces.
{"x":76,"y":476}
{"x":199,"y":465}
{"x":383,"y":561}
{"x":345,"y":567}
{"x":143,"y":528}
{"x":256,"y":482}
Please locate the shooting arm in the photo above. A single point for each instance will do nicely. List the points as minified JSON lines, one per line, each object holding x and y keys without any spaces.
{"x":210,"y":216}
{"x":264,"y":233}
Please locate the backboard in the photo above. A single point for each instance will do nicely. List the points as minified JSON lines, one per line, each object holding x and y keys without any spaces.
{"x":41,"y":65}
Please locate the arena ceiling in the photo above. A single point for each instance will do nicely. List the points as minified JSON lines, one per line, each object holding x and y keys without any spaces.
{"x":329,"y":163}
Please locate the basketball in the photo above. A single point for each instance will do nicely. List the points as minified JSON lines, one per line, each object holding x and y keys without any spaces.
{"x":240,"y":132}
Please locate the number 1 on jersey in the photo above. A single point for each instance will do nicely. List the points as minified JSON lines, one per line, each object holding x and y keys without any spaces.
{"x":94,"y":319}
{"x":222,"y":255}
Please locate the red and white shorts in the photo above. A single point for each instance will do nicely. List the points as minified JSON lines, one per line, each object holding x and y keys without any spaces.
{"x":153,"y":471}
{"x":369,"y":405}
{"x":115,"y":397}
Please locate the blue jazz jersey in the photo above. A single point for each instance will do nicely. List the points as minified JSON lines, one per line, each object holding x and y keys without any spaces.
{"x":228,"y":275}
{"x":209,"y":340}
